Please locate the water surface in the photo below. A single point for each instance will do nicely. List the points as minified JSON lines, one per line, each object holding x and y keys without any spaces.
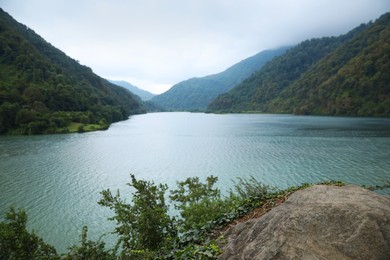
{"x":57,"y":178}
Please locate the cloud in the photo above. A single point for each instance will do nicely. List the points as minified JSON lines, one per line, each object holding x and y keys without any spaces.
{"x":161,"y":42}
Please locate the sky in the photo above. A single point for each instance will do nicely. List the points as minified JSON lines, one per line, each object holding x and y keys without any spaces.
{"x":154,"y":44}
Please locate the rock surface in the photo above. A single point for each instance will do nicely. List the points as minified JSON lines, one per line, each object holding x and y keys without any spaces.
{"x":320,"y":222}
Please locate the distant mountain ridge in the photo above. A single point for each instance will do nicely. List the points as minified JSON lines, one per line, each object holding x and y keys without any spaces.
{"x":345,"y":75}
{"x":196,"y":93}
{"x":44,"y":91}
{"x":143,"y":94}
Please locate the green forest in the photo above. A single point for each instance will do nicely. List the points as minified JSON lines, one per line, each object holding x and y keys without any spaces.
{"x":44,"y":91}
{"x":196,"y":93}
{"x":345,"y":75}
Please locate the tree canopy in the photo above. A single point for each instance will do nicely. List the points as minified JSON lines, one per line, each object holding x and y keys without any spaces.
{"x":43,"y":91}
{"x":345,"y":75}
{"x":197,"y":93}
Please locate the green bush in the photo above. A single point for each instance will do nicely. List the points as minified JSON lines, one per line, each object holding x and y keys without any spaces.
{"x":145,"y":229}
{"x":17,"y":243}
{"x":144,"y":224}
{"x":89,"y":249}
{"x":197,"y":202}
{"x":252,"y":189}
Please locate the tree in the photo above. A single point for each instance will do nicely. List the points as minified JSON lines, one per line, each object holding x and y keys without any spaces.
{"x":8,"y":112}
{"x":17,"y":243}
{"x":143,"y":225}
{"x":198,"y":202}
{"x":89,"y":249}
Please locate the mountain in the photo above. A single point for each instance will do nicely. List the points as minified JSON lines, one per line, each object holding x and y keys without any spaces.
{"x":345,"y":75}
{"x":196,"y":93}
{"x":44,"y":91}
{"x":143,"y":94}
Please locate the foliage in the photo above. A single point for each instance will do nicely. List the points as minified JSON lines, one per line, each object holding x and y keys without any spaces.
{"x":145,"y":229}
{"x":144,"y":224}
{"x":332,"y":182}
{"x":89,"y":249}
{"x":252,"y":189}
{"x":17,"y":243}
{"x":196,"y":93}
{"x":345,"y":75}
{"x":42,"y":90}
{"x":195,"y":251}
{"x":386,"y":185}
{"x":198,"y":202}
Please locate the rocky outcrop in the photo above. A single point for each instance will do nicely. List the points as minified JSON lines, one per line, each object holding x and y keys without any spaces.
{"x":320,"y":222}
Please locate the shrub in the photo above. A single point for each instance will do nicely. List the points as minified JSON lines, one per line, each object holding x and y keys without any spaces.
{"x":252,"y":189}
{"x":197,"y":202}
{"x":89,"y":249}
{"x":17,"y":243}
{"x":144,"y":224}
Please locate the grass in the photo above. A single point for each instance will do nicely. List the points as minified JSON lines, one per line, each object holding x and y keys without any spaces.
{"x":80,"y":128}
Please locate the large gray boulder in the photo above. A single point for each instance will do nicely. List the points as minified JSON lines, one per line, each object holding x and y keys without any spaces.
{"x":320,"y":222}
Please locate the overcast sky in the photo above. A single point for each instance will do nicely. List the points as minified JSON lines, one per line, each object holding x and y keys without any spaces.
{"x":155,"y":44}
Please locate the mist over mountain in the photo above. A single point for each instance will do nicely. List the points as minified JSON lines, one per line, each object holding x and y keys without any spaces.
{"x":42,"y":90}
{"x":196,"y":93}
{"x":345,"y":75}
{"x":143,"y":94}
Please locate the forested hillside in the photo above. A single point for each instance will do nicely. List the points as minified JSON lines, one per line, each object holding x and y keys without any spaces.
{"x":196,"y":93}
{"x":44,"y":91}
{"x":345,"y":75}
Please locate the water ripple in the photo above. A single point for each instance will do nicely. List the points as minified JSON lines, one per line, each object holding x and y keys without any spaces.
{"x":58,"y":178}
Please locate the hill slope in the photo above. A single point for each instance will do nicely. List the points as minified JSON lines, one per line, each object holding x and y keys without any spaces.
{"x":44,"y":91}
{"x":196,"y":93}
{"x":143,"y":94}
{"x":345,"y":75}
